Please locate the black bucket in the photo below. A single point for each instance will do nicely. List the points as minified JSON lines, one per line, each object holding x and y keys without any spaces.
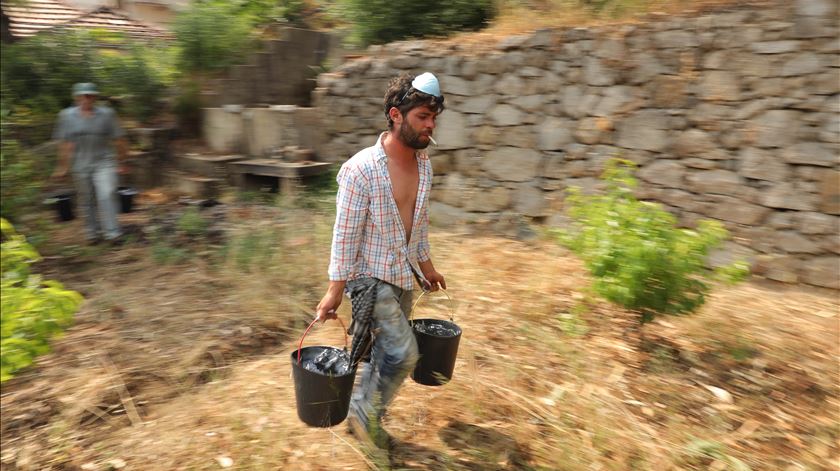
{"x":437,"y":343}
{"x":322,"y":399}
{"x":63,"y":203}
{"x":126,"y":195}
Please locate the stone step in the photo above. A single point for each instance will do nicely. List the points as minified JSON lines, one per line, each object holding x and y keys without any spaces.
{"x":212,"y":166}
{"x":195,"y":186}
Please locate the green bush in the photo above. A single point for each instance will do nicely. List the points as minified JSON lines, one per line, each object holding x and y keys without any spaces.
{"x":192,"y":223}
{"x":212,"y":35}
{"x":638,"y":257}
{"x":38,"y":73}
{"x":382,"y":21}
{"x":187,"y":109}
{"x":32,"y":310}
{"x":22,"y":176}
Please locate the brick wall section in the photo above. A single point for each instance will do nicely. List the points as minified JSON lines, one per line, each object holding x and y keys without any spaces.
{"x":732,"y":115}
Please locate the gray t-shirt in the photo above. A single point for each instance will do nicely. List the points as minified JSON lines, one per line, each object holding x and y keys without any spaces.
{"x":91,"y":135}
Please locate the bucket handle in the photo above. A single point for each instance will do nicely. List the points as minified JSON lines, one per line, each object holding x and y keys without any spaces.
{"x":451,"y":306}
{"x":300,"y":344}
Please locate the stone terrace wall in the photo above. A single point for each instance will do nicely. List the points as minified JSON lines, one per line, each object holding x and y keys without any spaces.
{"x":732,"y":115}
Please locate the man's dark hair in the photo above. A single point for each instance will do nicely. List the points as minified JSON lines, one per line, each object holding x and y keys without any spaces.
{"x":402,"y":96}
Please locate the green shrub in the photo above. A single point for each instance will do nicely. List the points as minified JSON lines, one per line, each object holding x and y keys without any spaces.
{"x":638,"y":257}
{"x":187,"y":109}
{"x":212,"y":35}
{"x":382,"y":21}
{"x":22,"y":177}
{"x":192,"y":223}
{"x":38,"y":73}
{"x":32,"y":310}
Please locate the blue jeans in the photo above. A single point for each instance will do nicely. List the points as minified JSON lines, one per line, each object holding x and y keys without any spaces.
{"x":392,"y":358}
{"x":97,"y":194}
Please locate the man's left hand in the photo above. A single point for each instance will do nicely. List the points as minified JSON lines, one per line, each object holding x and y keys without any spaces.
{"x":435,"y":280}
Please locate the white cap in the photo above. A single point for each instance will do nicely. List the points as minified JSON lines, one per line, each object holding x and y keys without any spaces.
{"x":427,"y":83}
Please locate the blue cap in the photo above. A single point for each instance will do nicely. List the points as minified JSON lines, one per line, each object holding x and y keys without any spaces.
{"x":427,"y":83}
{"x":86,"y":88}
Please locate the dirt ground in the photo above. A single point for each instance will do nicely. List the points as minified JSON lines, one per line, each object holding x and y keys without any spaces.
{"x":180,"y":360}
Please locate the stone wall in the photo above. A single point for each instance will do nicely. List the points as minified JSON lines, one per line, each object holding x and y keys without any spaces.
{"x":732,"y":115}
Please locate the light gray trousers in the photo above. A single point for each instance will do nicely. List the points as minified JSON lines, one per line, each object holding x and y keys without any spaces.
{"x":96,"y":191}
{"x":392,"y":358}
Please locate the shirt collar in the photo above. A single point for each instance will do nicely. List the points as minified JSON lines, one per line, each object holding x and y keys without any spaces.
{"x":379,"y":150}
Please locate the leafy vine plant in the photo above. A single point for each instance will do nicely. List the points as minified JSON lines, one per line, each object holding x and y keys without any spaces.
{"x":33,"y":310}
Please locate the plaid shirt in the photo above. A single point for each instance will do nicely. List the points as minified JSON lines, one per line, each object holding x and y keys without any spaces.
{"x":368,"y":236}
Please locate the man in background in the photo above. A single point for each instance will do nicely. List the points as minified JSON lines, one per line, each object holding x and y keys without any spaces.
{"x":87,"y":135}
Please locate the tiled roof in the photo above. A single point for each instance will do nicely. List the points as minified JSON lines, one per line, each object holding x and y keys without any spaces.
{"x":108,"y":19}
{"x":29,"y":17}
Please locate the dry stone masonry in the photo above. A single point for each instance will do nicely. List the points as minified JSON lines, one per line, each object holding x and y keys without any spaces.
{"x":732,"y":115}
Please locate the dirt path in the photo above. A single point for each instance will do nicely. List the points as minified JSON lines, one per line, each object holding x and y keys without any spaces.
{"x":186,"y":366}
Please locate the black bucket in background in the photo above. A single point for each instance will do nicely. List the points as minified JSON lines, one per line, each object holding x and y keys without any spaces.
{"x":437,"y":354}
{"x":62,"y":201}
{"x":322,"y":400}
{"x":126,"y":195}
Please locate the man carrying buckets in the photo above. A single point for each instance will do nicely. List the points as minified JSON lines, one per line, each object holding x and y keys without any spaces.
{"x":380,"y":248}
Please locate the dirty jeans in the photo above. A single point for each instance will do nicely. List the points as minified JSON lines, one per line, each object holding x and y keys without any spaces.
{"x":393,"y":355}
{"x":96,"y":189}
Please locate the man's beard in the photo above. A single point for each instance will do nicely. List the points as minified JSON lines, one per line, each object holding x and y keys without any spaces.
{"x":411,"y":138}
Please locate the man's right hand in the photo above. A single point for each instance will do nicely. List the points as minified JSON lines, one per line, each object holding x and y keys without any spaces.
{"x":329,"y":303}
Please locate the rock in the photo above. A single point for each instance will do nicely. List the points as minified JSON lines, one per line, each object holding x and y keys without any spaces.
{"x":676,"y":39}
{"x":776,"y":128}
{"x":452,"y":190}
{"x":782,"y":220}
{"x":451,"y":131}
{"x":451,"y":85}
{"x":478,"y":104}
{"x":822,"y":271}
{"x":802,"y":64}
{"x":721,"y":182}
{"x":667,"y":173}
{"x":530,"y":201}
{"x":554,"y":134}
{"x":513,"y":42}
{"x":444,"y":215}
{"x":509,"y":85}
{"x":793,"y":242}
{"x":762,"y":165}
{"x":785,"y":196}
{"x":490,"y":200}
{"x":669,"y":91}
{"x":703,"y":164}
{"x":647,"y":67}
{"x":442,"y":163}
{"x":720,"y":85}
{"x":518,"y":136}
{"x":512,"y":164}
{"x":782,"y":268}
{"x":556,"y":165}
{"x":530,"y":103}
{"x":811,"y":153}
{"x":589,"y":130}
{"x":815,"y":7}
{"x":570,"y":101}
{"x":817,"y":223}
{"x":730,"y":253}
{"x":774,"y":47}
{"x":614,"y":99}
{"x":485,"y":135}
{"x":693,"y":142}
{"x":596,"y":74}
{"x":645,"y":130}
{"x":734,"y":210}
{"x":830,"y":192}
{"x":506,"y":115}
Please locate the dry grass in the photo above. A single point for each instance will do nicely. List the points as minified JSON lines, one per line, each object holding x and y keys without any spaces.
{"x":546,"y":377}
